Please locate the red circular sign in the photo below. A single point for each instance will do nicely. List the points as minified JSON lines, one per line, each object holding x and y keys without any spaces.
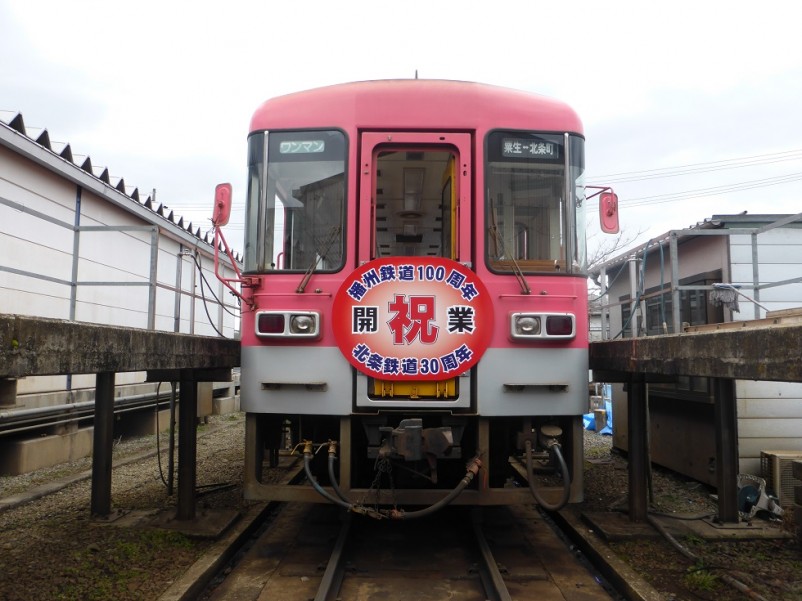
{"x":413,"y":318}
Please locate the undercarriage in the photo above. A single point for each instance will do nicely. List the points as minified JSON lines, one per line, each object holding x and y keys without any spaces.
{"x":394,"y":459}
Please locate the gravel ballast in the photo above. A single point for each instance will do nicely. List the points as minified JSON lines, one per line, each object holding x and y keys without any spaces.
{"x":50,"y":547}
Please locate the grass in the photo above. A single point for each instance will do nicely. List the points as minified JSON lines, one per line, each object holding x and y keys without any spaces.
{"x":700,"y":579}
{"x":692,"y":539}
{"x":111,"y":571}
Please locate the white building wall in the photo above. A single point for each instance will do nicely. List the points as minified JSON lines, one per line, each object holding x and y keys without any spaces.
{"x":769,"y":413}
{"x":29,"y":243}
{"x":37,"y":238}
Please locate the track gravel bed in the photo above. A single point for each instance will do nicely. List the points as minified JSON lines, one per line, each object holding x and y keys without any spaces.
{"x":50,"y":548}
{"x":772,"y":569}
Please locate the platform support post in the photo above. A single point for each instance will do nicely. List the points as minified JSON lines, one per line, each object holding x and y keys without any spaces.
{"x":726,"y":416}
{"x":638,"y":449}
{"x":187,"y":445}
{"x":102,"y":444}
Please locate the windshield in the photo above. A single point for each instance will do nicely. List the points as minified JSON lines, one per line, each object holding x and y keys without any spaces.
{"x":531,"y":206}
{"x":296,"y":205}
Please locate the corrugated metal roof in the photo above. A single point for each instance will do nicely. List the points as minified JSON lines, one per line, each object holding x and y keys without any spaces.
{"x":740,"y":221}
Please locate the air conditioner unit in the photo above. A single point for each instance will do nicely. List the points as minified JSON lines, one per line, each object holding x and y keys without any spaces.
{"x":775,"y":468}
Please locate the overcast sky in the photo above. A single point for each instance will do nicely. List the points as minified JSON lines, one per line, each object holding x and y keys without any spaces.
{"x":705,"y":95}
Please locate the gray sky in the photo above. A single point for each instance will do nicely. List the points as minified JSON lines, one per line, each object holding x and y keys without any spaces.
{"x":162,"y":92}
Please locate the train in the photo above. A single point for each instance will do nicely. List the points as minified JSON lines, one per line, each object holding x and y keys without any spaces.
{"x":414,"y":296}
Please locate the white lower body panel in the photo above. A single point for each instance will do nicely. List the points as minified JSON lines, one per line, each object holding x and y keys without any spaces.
{"x":296,"y":380}
{"x":530,"y":382}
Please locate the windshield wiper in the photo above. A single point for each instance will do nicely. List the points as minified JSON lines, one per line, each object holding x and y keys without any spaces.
{"x":319,"y":255}
{"x":519,"y":274}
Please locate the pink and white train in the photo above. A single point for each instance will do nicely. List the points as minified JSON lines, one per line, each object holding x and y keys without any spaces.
{"x":414,"y":295}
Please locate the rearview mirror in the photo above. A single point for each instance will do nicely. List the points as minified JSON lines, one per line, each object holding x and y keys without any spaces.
{"x":222,"y":205}
{"x":608,"y":212}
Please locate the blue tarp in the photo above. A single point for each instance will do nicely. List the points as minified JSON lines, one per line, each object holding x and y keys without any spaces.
{"x":590,"y":420}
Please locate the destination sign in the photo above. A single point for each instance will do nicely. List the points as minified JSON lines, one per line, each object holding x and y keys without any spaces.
{"x":529,"y":148}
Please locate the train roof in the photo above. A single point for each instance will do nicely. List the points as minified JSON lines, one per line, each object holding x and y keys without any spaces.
{"x":416,"y":103}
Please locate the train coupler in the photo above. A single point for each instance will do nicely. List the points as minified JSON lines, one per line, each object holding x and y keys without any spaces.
{"x":410,"y":441}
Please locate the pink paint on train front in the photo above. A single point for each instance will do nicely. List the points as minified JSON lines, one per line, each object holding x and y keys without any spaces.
{"x":280,"y":294}
{"x":552,"y":294}
{"x":418,"y":104}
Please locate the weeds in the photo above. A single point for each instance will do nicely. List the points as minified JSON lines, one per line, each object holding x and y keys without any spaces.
{"x":106,"y":571}
{"x":700,"y":579}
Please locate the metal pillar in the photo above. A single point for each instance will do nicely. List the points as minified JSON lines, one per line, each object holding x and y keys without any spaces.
{"x":171,"y":445}
{"x":484,"y":445}
{"x":102,"y":444}
{"x":153,"y":278}
{"x":726,"y":416}
{"x":755,"y":276}
{"x":254,"y":448}
{"x":638,"y":449}
{"x":675,"y":296}
{"x":604,"y":299}
{"x":633,"y":297}
{"x":187,"y":445}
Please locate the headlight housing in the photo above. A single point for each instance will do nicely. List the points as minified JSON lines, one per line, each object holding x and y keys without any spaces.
{"x":542,"y":326}
{"x":288,"y":324}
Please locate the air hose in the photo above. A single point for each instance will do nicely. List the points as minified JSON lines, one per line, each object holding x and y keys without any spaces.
{"x":554,"y":448}
{"x":472,"y":469}
{"x":322,"y":491}
{"x":334,"y":484}
{"x":394,"y":514}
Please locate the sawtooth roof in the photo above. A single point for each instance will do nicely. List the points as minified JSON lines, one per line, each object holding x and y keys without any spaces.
{"x":64,"y":151}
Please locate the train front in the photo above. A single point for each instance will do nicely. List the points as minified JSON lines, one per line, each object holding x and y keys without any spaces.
{"x":418,"y":320}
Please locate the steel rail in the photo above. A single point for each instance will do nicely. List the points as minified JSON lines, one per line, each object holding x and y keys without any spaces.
{"x":492,"y":580}
{"x":335,"y":568}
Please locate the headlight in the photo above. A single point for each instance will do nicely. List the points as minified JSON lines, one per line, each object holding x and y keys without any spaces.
{"x":287,"y":324}
{"x":525,"y":325}
{"x":302,"y":324}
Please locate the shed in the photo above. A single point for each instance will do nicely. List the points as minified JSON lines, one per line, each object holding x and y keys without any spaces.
{"x":726,"y":269}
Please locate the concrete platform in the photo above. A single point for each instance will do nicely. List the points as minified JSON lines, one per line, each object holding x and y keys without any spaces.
{"x":626,"y":580}
{"x":23,"y":456}
{"x":208,"y":523}
{"x":28,"y":455}
{"x":194,"y":580}
{"x":223,"y":405}
{"x":616,"y":526}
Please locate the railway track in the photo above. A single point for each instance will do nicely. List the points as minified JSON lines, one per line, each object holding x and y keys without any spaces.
{"x":497,"y":553}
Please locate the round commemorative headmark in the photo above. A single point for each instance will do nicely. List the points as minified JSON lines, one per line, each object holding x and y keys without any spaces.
{"x":412,"y":318}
